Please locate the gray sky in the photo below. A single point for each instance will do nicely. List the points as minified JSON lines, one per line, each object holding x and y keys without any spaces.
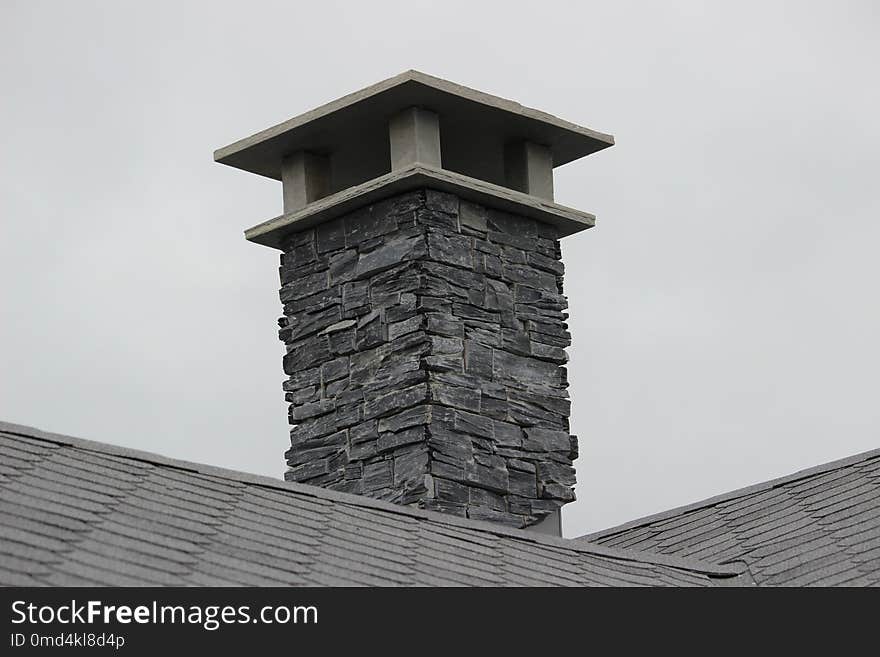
{"x":724,"y":310}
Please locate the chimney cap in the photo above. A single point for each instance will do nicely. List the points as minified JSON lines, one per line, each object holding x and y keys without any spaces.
{"x":414,"y":131}
{"x":353,"y":121}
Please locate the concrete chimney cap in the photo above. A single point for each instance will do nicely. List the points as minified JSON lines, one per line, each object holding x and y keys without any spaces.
{"x":414,"y":131}
{"x":355,"y":127}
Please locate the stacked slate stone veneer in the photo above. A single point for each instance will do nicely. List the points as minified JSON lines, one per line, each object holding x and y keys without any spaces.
{"x":425,"y":347}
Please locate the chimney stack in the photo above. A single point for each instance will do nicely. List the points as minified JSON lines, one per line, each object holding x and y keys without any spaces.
{"x":421,"y":279}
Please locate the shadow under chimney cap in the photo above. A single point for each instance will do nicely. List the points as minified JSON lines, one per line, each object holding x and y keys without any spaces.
{"x":343,"y":123}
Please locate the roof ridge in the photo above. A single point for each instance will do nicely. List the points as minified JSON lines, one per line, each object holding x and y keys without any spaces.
{"x":739,"y":492}
{"x":576,"y":544}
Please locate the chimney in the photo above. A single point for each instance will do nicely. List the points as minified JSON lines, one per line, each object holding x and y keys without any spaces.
{"x":421,"y":279}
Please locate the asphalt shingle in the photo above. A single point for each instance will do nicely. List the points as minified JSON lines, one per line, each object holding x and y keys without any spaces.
{"x":818,"y":527}
{"x":76,"y":512}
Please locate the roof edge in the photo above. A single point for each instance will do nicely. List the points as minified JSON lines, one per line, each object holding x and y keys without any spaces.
{"x":577,"y":544}
{"x":739,"y":492}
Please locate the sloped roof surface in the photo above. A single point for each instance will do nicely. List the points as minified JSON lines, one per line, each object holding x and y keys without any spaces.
{"x":75,"y":512}
{"x":818,"y":527}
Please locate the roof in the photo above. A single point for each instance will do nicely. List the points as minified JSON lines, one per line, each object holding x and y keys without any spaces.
{"x":817,"y":527}
{"x":77,"y":512}
{"x":359,"y":121}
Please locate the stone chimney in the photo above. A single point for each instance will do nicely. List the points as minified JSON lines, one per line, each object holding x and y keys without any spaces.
{"x":421,"y":279}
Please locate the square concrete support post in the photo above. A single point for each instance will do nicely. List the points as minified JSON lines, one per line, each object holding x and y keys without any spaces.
{"x":528,"y":168}
{"x":305,"y":178}
{"x":415,"y":137}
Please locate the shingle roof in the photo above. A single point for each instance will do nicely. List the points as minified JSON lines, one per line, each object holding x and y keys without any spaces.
{"x":76,"y":512}
{"x":817,"y":527}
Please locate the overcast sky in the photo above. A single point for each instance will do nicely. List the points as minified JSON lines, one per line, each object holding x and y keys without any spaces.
{"x":725,"y":309}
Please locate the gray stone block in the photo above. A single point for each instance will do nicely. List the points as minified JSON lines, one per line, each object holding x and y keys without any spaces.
{"x":410,"y":468}
{"x":410,"y":417}
{"x":440,"y":345}
{"x":444,"y":324}
{"x":478,"y":360}
{"x":334,"y":369}
{"x":313,"y":409}
{"x":365,"y":225}
{"x":442,"y":202}
{"x":308,"y":470}
{"x":450,"y":249}
{"x":378,"y":475}
{"x":396,"y":401}
{"x":306,"y":354}
{"x":389,"y":255}
{"x":507,"y":434}
{"x":474,"y":424}
{"x":473,"y":216}
{"x":391,"y":440}
{"x":450,"y":395}
{"x":477,"y":512}
{"x":450,"y":448}
{"x":449,"y":491}
{"x":304,"y":287}
{"x":371,"y":332}
{"x":486,"y":499}
{"x":442,"y":506}
{"x":397,"y":329}
{"x":342,"y":266}
{"x":557,"y":473}
{"x":331,"y":236}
